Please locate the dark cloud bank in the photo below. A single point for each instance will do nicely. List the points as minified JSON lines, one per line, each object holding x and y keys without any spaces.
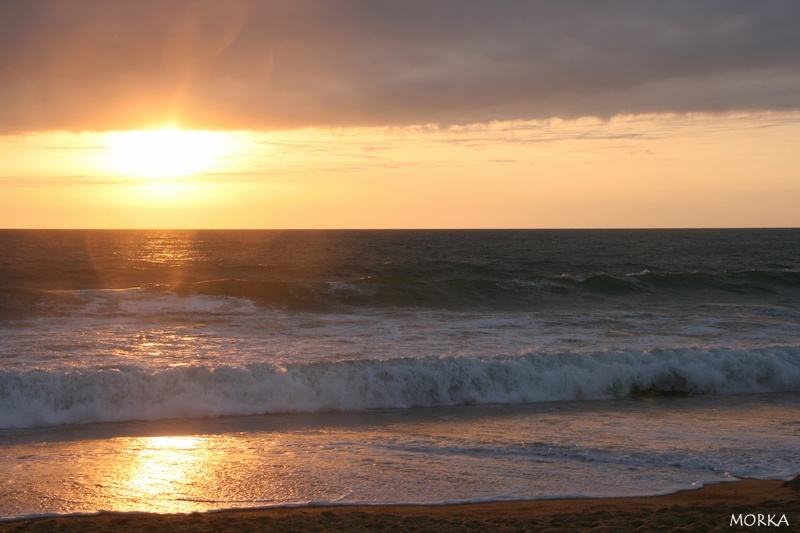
{"x":293,"y":63}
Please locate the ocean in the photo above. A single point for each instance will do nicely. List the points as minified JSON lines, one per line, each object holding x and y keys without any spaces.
{"x":181,"y":371}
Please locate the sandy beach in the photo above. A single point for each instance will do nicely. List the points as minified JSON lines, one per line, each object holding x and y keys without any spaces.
{"x":713,"y":508}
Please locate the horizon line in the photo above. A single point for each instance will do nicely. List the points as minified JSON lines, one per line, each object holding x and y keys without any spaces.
{"x":613,"y":228}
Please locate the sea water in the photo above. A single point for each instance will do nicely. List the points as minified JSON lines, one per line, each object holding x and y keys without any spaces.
{"x":196,"y":370}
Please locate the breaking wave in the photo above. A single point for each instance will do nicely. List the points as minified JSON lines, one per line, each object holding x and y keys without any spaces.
{"x":124,"y":393}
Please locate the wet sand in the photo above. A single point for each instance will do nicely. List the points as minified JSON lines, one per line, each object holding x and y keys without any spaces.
{"x":708,"y":509}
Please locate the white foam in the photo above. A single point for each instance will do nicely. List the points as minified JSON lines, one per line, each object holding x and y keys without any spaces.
{"x":34,"y":398}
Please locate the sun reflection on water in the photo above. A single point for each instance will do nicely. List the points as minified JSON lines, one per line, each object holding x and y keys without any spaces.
{"x":167,"y":472}
{"x":124,"y":259}
{"x":164,"y":463}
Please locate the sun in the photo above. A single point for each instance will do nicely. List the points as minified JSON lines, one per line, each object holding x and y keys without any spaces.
{"x":165,"y":153}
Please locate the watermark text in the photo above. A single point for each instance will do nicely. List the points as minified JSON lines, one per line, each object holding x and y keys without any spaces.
{"x":759,"y":519}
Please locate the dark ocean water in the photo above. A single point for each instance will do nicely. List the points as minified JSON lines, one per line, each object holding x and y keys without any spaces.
{"x":130,"y":327}
{"x":463,"y":270}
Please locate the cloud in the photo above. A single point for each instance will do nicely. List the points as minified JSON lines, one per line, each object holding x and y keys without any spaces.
{"x":282,"y":64}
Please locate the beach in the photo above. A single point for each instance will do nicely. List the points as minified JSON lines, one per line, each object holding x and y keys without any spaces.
{"x":712,"y":508}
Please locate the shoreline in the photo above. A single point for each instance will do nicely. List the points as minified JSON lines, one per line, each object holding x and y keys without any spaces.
{"x":709,"y":508}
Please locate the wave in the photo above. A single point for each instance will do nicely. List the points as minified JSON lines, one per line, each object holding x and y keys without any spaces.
{"x":23,"y":303}
{"x":531,"y":292}
{"x":741,"y":281}
{"x":738,"y":282}
{"x":456,"y":293}
{"x":125,"y":393}
{"x":372,"y":291}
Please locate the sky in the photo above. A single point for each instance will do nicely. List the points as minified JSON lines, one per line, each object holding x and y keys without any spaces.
{"x":399,"y":114}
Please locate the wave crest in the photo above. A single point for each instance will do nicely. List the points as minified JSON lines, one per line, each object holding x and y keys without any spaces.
{"x":124,"y":393}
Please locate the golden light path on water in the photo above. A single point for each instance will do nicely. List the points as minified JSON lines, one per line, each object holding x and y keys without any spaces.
{"x":163,"y":468}
{"x":181,"y":474}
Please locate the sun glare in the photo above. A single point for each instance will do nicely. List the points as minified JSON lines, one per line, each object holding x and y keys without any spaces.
{"x":166,"y":152}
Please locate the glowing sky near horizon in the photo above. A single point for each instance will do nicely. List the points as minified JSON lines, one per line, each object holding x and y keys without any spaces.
{"x":356,"y":114}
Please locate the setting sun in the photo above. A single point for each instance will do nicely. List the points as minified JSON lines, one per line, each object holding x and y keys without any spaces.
{"x":165,"y":153}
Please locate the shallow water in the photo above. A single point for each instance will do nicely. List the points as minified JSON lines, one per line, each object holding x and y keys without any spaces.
{"x":434,"y":455}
